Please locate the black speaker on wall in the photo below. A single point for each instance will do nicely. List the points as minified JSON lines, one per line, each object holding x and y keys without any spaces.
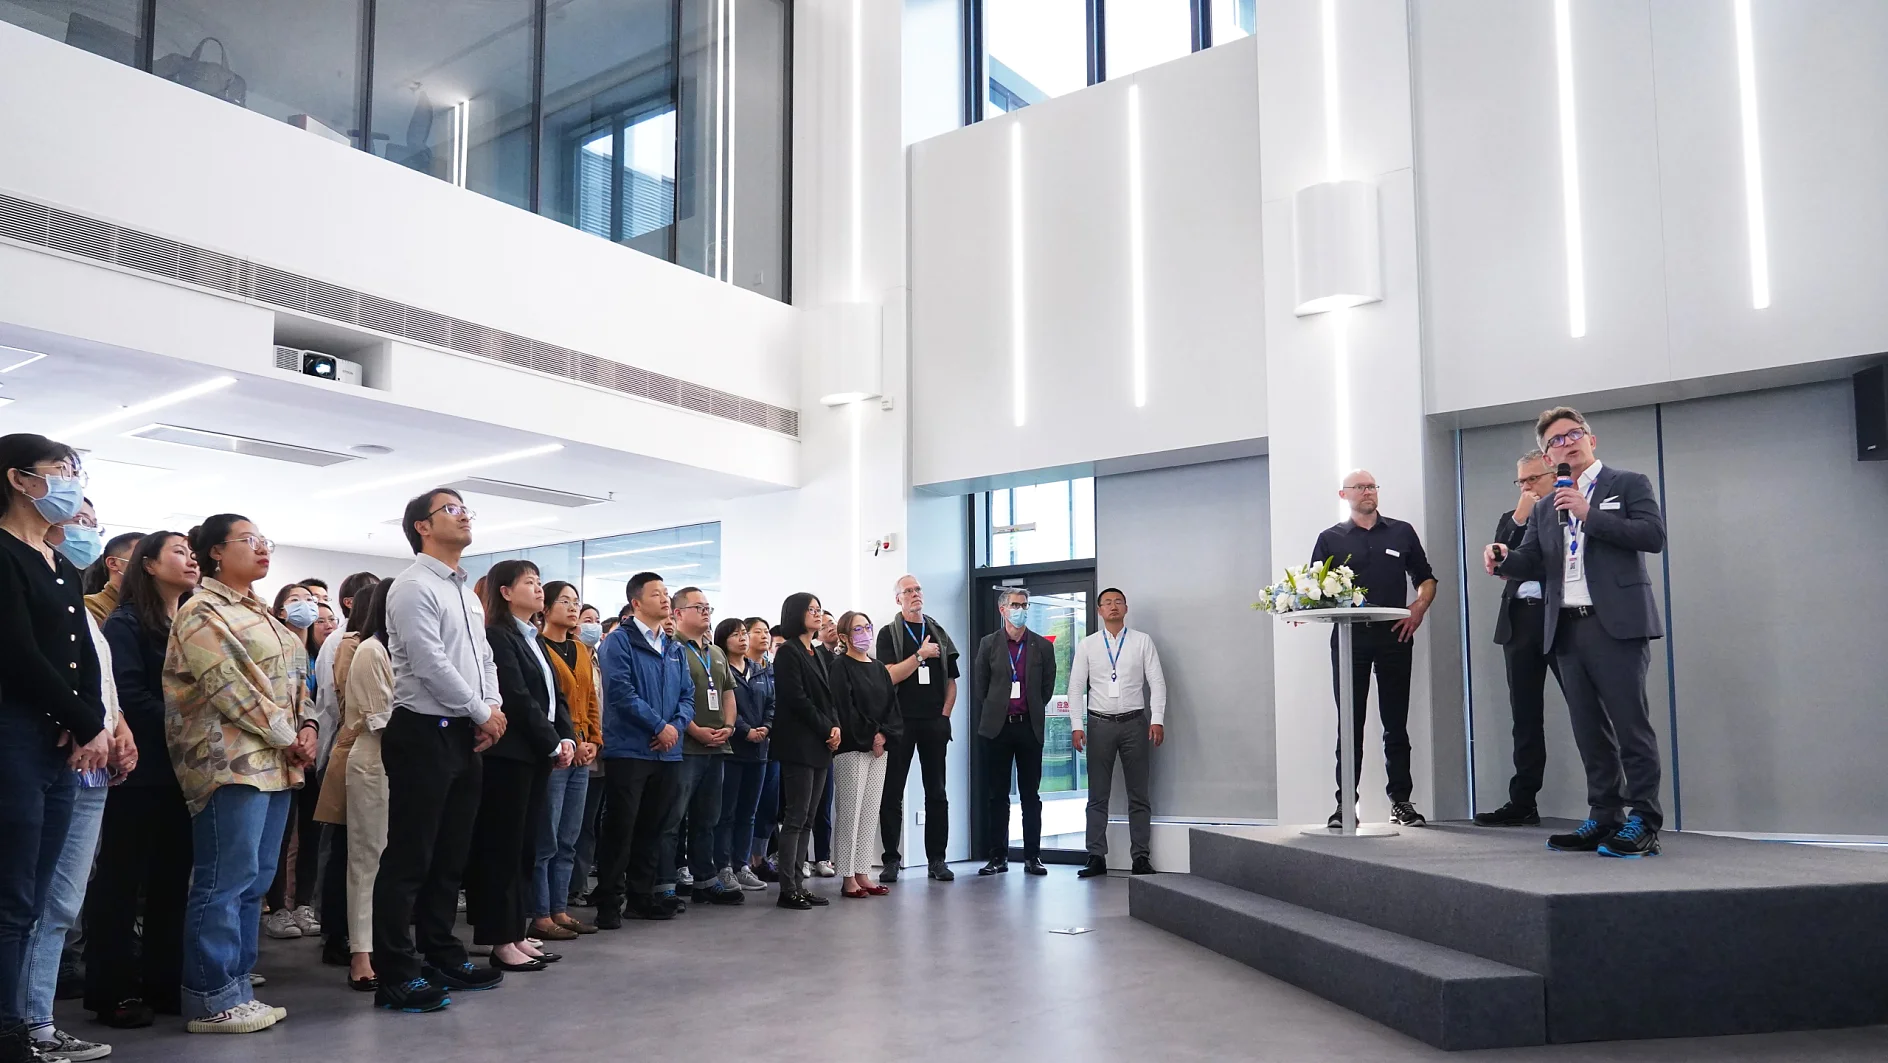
{"x":1871,"y":414}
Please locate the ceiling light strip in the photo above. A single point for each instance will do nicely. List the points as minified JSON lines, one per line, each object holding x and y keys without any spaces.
{"x":1018,"y":404}
{"x":1753,"y":158}
{"x":648,"y":549}
{"x":9,"y":352}
{"x":1137,"y":246}
{"x":129,"y":412}
{"x":1570,"y":171}
{"x":440,"y":472}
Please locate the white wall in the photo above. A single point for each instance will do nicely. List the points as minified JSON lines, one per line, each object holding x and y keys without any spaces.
{"x":1205,"y":366}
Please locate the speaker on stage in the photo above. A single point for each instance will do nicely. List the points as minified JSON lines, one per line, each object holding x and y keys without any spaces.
{"x":1871,"y":414}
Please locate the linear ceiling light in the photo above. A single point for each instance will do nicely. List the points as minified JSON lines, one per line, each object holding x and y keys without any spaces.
{"x":128,"y":412}
{"x":225,"y":443}
{"x":461,"y":134}
{"x":1753,"y":159}
{"x":440,"y":472}
{"x":666,"y":568}
{"x":12,"y":357}
{"x":1018,"y":297}
{"x":1570,"y":171}
{"x":858,"y":151}
{"x":648,"y":549}
{"x":1137,"y":246}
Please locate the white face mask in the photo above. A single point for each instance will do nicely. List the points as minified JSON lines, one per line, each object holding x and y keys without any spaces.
{"x":590,"y":634}
{"x":301,"y":613}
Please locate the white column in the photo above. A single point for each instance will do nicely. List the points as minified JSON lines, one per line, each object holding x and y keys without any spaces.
{"x":1344,"y":388}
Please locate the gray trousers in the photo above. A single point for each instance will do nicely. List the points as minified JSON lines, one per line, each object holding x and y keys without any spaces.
{"x":1126,"y":739}
{"x":1604,"y":681}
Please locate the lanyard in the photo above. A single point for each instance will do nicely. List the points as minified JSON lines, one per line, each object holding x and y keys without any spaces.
{"x":1574,"y":523}
{"x":1114,"y":652}
{"x":707,"y":663}
{"x":917,"y":637}
{"x":1018,"y":650}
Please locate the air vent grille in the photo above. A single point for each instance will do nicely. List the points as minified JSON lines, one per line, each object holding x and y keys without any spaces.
{"x":41,"y":226}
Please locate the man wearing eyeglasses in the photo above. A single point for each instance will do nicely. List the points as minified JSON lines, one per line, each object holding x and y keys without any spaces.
{"x":1518,"y":633}
{"x":1586,"y":544}
{"x":1388,"y":558}
{"x":704,"y":744}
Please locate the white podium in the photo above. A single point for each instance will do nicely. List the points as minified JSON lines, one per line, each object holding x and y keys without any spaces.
{"x":1347,"y":716}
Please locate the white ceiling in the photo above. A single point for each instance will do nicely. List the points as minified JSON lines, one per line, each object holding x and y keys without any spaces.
{"x":140,"y":484}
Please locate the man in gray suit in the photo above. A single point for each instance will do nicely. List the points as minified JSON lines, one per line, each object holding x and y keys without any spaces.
{"x":1013,"y":677}
{"x":1600,"y":619}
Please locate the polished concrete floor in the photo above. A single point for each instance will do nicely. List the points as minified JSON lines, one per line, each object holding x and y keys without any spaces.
{"x":960,"y":971}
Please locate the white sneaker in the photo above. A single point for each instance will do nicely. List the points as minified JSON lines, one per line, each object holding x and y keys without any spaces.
{"x":747,"y":880}
{"x":684,"y":878}
{"x":243,"y":1018}
{"x":281,"y":924}
{"x":806,"y":872}
{"x":304,"y":917}
{"x":64,"y":1046}
{"x":825,"y":869}
{"x":277,"y":1014}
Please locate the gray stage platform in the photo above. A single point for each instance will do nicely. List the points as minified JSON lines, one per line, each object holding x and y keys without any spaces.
{"x":1470,"y":937}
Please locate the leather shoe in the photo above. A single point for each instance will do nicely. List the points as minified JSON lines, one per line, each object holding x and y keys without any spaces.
{"x":1034,"y":866}
{"x":609,"y":919}
{"x":550,"y":930}
{"x":795,"y":900}
{"x":1095,"y":868}
{"x":574,"y":925}
{"x":942,"y":872}
{"x":1143,"y":866}
{"x":890,"y":874}
{"x":994,"y":867}
{"x":528,"y":965}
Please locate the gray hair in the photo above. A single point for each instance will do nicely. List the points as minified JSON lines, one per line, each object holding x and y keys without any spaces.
{"x":1533,"y":455}
{"x":1004,"y":595}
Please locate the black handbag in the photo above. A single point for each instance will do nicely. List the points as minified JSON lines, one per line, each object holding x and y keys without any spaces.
{"x":211,"y":79}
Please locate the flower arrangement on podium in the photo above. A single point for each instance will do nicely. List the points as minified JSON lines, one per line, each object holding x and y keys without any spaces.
{"x":1324,"y":585}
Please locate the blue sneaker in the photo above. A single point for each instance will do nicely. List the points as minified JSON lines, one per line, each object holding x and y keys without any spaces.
{"x":1632,"y":841}
{"x":1584,"y":839}
{"x":467,"y":976}
{"x":415,"y":997}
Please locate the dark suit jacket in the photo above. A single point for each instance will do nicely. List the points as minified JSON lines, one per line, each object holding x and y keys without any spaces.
{"x":803,"y":707}
{"x":990,"y":676}
{"x":1623,"y":526}
{"x":1509,"y":534}
{"x":530,"y":734}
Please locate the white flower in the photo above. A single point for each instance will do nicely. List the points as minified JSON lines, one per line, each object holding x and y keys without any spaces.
{"x":1333,"y":586}
{"x":1344,"y":571}
{"x":1282,"y":603}
{"x":1312,"y":591}
{"x":1357,"y":598}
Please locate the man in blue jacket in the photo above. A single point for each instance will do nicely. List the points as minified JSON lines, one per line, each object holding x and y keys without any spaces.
{"x":648,"y":703}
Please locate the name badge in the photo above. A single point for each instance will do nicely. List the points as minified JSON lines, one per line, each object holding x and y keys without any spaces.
{"x":1114,"y":686}
{"x":711,"y":693}
{"x":1609,"y":505}
{"x":924,"y":675}
{"x":1016,"y":689}
{"x":1392,"y":553}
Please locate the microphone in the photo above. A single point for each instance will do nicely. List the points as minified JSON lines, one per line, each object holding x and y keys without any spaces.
{"x":1563,"y":477}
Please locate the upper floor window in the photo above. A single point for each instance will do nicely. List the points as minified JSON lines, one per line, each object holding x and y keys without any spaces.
{"x":1040,"y":522}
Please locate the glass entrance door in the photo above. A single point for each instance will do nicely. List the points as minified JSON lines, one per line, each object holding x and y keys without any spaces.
{"x":1062,"y":610}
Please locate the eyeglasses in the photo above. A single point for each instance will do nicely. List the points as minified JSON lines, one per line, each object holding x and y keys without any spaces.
{"x":63,"y":471}
{"x":700,"y":607}
{"x":1525,"y":480}
{"x":565,"y":599}
{"x":1361,"y":487}
{"x":86,"y":522}
{"x":454,"y":509}
{"x":1568,"y":438}
{"x":257,"y":543}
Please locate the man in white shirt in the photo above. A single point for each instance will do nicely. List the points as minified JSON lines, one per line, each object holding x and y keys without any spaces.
{"x":1118,"y":705}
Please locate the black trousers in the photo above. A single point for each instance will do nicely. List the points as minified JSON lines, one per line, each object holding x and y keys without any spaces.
{"x":930,"y":739}
{"x":433,"y":784}
{"x":144,"y":848}
{"x":500,"y":872}
{"x":1015,"y":746}
{"x":1604,"y":680}
{"x":1374,"y":647}
{"x":305,"y":833}
{"x":800,"y":788}
{"x":334,"y":887}
{"x":1528,"y":664}
{"x":629,"y":836}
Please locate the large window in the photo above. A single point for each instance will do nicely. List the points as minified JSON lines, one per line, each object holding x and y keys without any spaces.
{"x":662,"y":125}
{"x":1147,"y":32}
{"x":686,"y":556}
{"x":1233,"y":19}
{"x":1033,"y":50}
{"x":1041,"y":522}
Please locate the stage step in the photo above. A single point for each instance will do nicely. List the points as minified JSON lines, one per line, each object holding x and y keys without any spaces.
{"x":1449,"y":999}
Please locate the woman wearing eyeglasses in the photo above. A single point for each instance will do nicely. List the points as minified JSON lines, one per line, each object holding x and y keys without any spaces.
{"x":234,"y":690}
{"x":52,"y":715}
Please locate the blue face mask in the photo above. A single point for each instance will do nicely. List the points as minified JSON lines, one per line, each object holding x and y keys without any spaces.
{"x":1019,"y":616}
{"x":65,"y":496}
{"x":301,"y":613}
{"x":590,"y":634}
{"x":82,"y":545}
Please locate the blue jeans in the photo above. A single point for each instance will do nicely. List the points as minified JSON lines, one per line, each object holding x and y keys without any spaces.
{"x":37,"y":791}
{"x":238,"y":840}
{"x":59,"y":908}
{"x":740,"y":796}
{"x":564,"y":804}
{"x":699,"y":798}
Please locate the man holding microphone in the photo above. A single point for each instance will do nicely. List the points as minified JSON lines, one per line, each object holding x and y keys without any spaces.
{"x":1586,"y":544}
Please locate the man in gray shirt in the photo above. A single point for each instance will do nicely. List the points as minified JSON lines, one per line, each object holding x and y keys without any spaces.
{"x":445,"y":712}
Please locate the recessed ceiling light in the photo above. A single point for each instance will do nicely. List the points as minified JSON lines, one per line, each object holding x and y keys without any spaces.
{"x":11,"y":356}
{"x":648,"y":549}
{"x":442,"y":471}
{"x":128,"y":412}
{"x":4,"y":401}
{"x":369,"y":450}
{"x":229,"y":444}
{"x":479,"y":485}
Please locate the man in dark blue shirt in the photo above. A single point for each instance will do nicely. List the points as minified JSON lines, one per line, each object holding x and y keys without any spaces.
{"x":1388,"y":558}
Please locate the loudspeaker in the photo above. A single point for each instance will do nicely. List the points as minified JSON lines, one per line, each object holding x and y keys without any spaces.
{"x":1871,"y":414}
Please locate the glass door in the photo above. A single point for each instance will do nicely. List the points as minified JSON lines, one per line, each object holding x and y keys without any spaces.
{"x":1062,"y":610}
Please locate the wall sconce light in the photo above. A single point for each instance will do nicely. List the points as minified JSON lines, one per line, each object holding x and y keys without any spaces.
{"x":1335,"y":246}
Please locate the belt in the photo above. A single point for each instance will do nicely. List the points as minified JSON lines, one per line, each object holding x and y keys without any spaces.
{"x":1115,"y":715}
{"x":1018,"y":717}
{"x":1576,"y":610}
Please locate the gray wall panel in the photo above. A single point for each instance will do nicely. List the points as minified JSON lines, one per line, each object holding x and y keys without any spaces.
{"x":1190,"y":547}
{"x":1780,"y":676}
{"x":1628,"y":439}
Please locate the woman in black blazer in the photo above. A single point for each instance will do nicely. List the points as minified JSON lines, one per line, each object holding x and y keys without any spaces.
{"x":806,"y":731}
{"x":517,"y":769}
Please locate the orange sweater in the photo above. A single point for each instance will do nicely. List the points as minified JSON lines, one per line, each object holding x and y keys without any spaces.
{"x":580,"y":690}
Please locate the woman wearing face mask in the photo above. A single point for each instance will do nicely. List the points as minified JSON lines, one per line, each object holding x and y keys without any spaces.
{"x":591,"y":631}
{"x":79,"y":541}
{"x":575,"y":669}
{"x":868,"y":719}
{"x":746,"y":768}
{"x":52,"y":712}
{"x":291,"y":915}
{"x":234,"y":687}
{"x":366,"y":705}
{"x":517,"y":769}
{"x":144,"y":841}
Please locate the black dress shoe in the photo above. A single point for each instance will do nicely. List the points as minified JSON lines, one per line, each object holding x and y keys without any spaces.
{"x":795,"y":900}
{"x":1034,"y":866}
{"x":1510,"y":815}
{"x":1143,"y":866}
{"x":942,"y":872}
{"x":609,"y":919}
{"x":994,"y":867}
{"x":815,"y":899}
{"x":364,"y":985}
{"x":527,"y":966}
{"x":1095,"y":868}
{"x":890,"y":874}
{"x":1585,"y":838}
{"x":643,"y":909}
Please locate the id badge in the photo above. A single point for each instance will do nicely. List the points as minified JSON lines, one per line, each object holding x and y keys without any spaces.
{"x":1576,"y":566}
{"x":713,"y":701}
{"x":1016,"y":689}
{"x":1114,"y":687}
{"x":924,"y":675}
